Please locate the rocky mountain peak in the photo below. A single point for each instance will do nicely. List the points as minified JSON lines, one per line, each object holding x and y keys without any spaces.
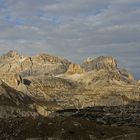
{"x":106,"y":62}
{"x":102,"y":62}
{"x":43,"y":63}
{"x":44,"y":57}
{"x":12,"y":54}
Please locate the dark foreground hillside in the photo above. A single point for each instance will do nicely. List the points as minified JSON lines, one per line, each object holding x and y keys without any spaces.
{"x":69,"y":128}
{"x":98,"y":123}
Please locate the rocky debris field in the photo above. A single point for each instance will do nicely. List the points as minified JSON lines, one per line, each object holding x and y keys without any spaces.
{"x":63,"y":128}
{"x":128,"y":115}
{"x":96,"y":123}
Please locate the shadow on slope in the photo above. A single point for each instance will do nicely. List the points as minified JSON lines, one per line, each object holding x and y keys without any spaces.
{"x":73,"y":124}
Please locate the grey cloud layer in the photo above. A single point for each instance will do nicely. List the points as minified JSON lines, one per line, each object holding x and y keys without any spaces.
{"x":74,"y":29}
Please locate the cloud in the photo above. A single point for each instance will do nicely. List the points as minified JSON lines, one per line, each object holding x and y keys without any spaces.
{"x":75,"y":7}
{"x":74,"y":29}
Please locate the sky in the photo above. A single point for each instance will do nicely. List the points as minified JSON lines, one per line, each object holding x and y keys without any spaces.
{"x":74,"y":29}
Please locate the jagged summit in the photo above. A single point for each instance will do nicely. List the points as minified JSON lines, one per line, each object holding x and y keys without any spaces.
{"x":102,"y":62}
{"x":12,"y":54}
{"x":45,"y":57}
{"x":46,"y":64}
{"x":33,"y":65}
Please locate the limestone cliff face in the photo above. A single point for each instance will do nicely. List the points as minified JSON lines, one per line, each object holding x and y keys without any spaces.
{"x":110,"y":64}
{"x":45,"y":58}
{"x":12,"y":62}
{"x":75,"y":69}
{"x":102,"y":62}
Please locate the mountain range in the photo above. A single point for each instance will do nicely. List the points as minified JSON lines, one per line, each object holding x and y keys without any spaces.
{"x":44,"y":85}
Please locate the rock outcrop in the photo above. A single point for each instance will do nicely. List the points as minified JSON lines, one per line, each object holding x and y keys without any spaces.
{"x":110,"y":65}
{"x":75,"y":69}
{"x":13,"y":80}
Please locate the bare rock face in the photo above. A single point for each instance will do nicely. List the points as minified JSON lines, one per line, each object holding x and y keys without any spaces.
{"x":13,"y":80}
{"x":102,"y":62}
{"x":75,"y":69}
{"x":110,"y":65}
{"x":12,"y":62}
{"x":44,"y":58}
{"x":49,"y":65}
